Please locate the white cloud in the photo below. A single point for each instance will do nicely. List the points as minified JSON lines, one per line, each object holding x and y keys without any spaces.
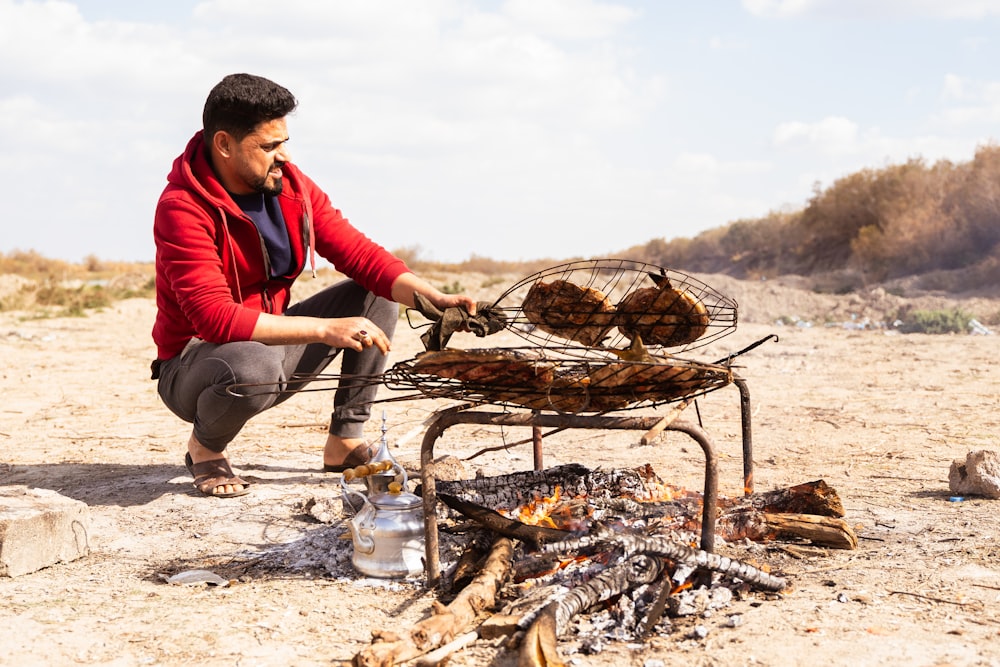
{"x":569,"y":19}
{"x":832,"y":135}
{"x":426,"y":120}
{"x":867,"y":9}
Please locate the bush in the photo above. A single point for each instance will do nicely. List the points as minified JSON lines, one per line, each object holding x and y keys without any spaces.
{"x":936,"y":322}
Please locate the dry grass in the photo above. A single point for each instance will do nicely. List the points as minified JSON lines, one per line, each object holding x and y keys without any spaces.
{"x":44,"y":287}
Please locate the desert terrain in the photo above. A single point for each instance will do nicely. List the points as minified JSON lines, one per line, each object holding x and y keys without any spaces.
{"x":878,"y":415}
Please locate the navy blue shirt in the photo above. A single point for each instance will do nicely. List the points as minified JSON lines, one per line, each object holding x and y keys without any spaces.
{"x":266,"y":215}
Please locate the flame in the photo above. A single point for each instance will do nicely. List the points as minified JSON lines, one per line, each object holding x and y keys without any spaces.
{"x":681,"y":587}
{"x":555,"y":511}
{"x":536,"y":512}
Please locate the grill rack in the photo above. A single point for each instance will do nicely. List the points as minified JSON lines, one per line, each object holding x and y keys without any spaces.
{"x":539,"y":381}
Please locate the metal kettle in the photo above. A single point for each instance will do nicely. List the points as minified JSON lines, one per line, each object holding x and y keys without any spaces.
{"x":388,"y":529}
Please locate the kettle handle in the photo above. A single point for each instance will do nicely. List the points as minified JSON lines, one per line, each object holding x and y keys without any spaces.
{"x":376,"y":468}
{"x":362,"y":527}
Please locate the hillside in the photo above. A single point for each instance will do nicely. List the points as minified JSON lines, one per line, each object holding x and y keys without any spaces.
{"x":911,"y":226}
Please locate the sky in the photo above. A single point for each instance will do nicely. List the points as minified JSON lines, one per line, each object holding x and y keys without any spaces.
{"x":506,"y":129}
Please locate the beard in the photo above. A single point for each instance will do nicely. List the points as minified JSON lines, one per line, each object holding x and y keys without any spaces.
{"x":274,"y":189}
{"x":268,"y":186}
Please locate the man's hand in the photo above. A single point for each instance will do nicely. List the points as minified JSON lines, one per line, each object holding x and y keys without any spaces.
{"x":353,"y":333}
{"x":349,"y":333}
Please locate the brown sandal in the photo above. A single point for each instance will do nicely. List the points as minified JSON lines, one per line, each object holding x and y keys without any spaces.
{"x":358,"y":456}
{"x":210,"y":475}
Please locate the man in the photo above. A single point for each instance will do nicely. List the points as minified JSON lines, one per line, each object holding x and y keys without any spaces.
{"x":234,"y":227}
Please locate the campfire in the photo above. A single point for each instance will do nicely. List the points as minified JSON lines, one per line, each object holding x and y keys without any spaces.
{"x":573,"y":552}
{"x":593,"y":556}
{"x":570,"y":552}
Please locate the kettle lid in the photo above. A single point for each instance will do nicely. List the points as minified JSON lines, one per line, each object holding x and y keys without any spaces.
{"x":395,"y":501}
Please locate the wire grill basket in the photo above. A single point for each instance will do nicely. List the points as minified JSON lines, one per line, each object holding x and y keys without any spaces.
{"x":587,"y":307}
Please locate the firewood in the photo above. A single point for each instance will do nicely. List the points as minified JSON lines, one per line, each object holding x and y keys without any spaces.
{"x":522,"y":612}
{"x":808,"y":498}
{"x":511,"y":490}
{"x":666,"y":547}
{"x":539,"y":648}
{"x":826,"y":531}
{"x":447,"y":621}
{"x":634,"y":571}
{"x":438,"y":656}
{"x":468,"y":564}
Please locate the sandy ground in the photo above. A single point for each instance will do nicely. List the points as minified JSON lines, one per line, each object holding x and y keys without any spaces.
{"x":877,"y":415}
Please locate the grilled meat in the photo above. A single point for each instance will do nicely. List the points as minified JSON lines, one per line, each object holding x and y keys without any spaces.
{"x":567,"y":310}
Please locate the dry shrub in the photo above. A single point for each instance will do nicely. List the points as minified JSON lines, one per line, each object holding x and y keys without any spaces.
{"x":875,"y":225}
{"x":55,"y":287}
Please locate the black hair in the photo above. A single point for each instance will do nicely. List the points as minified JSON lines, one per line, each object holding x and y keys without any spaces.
{"x":240,"y":102}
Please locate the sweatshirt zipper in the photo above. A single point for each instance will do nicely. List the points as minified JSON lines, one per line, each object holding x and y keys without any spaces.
{"x":268,"y":303}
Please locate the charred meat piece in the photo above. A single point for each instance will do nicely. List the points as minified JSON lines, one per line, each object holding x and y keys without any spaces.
{"x":567,"y":310}
{"x":662,"y":315}
{"x":495,"y":368}
{"x":656,"y":382}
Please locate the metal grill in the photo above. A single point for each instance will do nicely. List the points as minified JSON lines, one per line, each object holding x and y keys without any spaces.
{"x":598,"y":332}
{"x":519,"y":378}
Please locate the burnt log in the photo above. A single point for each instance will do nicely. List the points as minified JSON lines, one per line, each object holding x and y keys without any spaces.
{"x":498,"y":523}
{"x":809,"y":498}
{"x":664,"y":546}
{"x":519,"y":615}
{"x":823,"y":530}
{"x":811,"y":511}
{"x":539,"y":647}
{"x":448,"y":621}
{"x":514,"y":489}
{"x":632,"y":493}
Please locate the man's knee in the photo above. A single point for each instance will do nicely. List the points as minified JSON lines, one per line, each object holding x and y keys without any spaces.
{"x":384,"y":313}
{"x":253,"y":363}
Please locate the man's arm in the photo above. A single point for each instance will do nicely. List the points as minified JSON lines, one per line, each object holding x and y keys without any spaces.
{"x":345,"y":332}
{"x":408,"y":283}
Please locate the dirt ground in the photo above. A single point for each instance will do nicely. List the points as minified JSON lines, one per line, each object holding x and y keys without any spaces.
{"x":878,"y":415}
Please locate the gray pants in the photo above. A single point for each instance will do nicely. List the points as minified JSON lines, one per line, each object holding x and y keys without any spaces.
{"x":194,"y":383}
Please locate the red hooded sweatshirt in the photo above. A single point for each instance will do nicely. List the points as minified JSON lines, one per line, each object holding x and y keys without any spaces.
{"x":212,"y":273}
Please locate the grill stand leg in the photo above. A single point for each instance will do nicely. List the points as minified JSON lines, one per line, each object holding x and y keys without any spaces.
{"x":447,"y":418}
{"x":741,"y":384}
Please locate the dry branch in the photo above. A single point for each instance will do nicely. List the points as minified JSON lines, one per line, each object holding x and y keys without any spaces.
{"x":651,"y":435}
{"x":447,"y":621}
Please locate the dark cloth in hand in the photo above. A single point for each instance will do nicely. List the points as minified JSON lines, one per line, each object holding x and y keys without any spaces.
{"x":487,"y":320}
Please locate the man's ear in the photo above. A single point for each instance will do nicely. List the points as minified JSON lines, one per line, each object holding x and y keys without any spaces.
{"x":223,"y":143}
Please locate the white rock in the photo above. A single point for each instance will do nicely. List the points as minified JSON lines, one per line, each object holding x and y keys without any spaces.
{"x":978,"y":475}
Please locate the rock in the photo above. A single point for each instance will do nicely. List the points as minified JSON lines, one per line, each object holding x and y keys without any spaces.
{"x":978,"y":475}
{"x":39,"y":528}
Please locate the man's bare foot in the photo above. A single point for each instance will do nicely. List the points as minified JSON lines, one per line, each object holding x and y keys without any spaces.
{"x":341,"y":453}
{"x":208,"y":484}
